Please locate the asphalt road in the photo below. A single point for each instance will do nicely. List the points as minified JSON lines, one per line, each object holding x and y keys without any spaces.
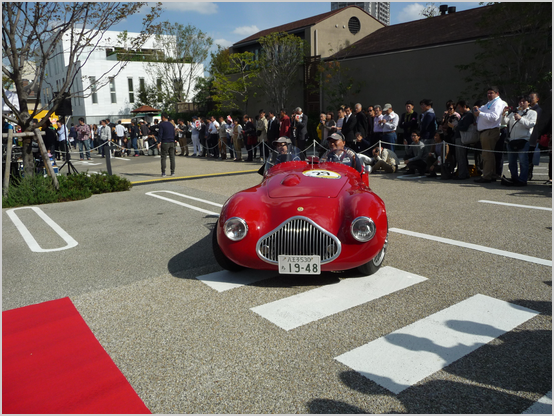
{"x":141,"y":275}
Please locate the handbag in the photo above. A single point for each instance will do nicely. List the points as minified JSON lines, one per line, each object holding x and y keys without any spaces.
{"x":544,"y":140}
{"x":471,"y":136}
{"x":517,"y":145}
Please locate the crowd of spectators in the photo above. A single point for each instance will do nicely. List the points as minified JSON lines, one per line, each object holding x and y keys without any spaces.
{"x":435,"y":144}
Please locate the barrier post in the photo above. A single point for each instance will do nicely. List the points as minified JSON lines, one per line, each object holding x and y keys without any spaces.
{"x":7,"y":172}
{"x":108,"y":154}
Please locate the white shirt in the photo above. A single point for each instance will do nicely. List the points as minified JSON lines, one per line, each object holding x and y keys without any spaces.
{"x":391,"y":122}
{"x":213,"y":129}
{"x":377,"y":127}
{"x":119,"y":130}
{"x":523,"y":128}
{"x":490,"y":115}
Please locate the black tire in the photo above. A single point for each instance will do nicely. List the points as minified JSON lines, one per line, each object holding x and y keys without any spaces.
{"x":220,"y":257}
{"x":374,"y":264}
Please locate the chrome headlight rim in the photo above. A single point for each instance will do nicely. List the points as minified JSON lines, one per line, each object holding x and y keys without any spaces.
{"x":371,"y":224}
{"x":228,"y":233}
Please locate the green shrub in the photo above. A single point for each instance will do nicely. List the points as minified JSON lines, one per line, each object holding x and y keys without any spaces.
{"x":38,"y":189}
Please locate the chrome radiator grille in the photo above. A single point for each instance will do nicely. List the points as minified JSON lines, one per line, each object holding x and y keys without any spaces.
{"x":298,"y":236}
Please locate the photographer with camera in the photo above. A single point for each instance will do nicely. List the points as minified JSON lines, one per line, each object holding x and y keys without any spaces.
{"x":489,"y":117}
{"x":520,"y":127}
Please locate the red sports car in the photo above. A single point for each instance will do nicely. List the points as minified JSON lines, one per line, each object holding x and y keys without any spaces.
{"x":303,"y":218}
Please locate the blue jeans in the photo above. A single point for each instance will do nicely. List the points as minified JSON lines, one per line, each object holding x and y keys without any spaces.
{"x":523,"y":163}
{"x":87,"y":148}
{"x":135,"y":145}
{"x":389,"y":137}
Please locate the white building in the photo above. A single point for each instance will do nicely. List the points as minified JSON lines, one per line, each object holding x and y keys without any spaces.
{"x":116,"y":89}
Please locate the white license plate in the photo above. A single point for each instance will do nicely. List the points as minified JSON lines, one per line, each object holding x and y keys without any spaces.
{"x":299,"y":264}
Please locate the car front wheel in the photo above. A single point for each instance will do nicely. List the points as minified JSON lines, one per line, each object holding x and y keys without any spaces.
{"x":220,"y":257}
{"x":374,"y":264}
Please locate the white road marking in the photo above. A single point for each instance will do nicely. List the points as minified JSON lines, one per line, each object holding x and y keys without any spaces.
{"x":226,"y":280}
{"x":515,"y":205}
{"x":541,"y":406}
{"x":30,"y":240}
{"x":475,"y":247}
{"x":306,"y":307}
{"x":408,"y":176}
{"x":187,"y":205}
{"x":120,"y":158}
{"x":408,"y":355}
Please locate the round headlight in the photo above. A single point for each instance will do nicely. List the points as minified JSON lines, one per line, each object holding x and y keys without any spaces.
{"x":235,"y":229}
{"x":363,"y":229}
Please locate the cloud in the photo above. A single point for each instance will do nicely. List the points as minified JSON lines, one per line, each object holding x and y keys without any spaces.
{"x":198,"y":7}
{"x":223,"y":42}
{"x":246,"y":30}
{"x":410,"y":13}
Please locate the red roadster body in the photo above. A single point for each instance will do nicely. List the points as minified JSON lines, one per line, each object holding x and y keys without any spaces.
{"x":303,"y":218}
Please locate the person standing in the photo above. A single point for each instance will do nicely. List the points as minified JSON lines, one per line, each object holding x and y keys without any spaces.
{"x":194,"y":128}
{"x":133,"y":135}
{"x":390,"y":123}
{"x":63,"y":135}
{"x":72,"y":136}
{"x":237,"y":140}
{"x":466,"y":121}
{"x":120,"y":134}
{"x":213,"y":137}
{"x":181,"y":135}
{"x":361,"y":121}
{"x":377,"y":124}
{"x":83,"y":138}
{"x":284,"y":128}
{"x":222,"y":138}
{"x":520,"y":128}
{"x":489,"y":117}
{"x":261,"y":132}
{"x":428,"y":122}
{"x":300,"y":128}
{"x":408,"y":122}
{"x":533,"y":141}
{"x":105,"y":136}
{"x":349,"y":127}
{"x":166,"y":144}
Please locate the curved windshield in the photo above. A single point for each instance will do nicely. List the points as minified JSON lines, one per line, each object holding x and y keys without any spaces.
{"x":345,"y":156}
{"x":287,"y":154}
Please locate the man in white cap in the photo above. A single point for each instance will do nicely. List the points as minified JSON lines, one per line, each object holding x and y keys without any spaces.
{"x":340,"y":154}
{"x":390,"y":123}
{"x":284,"y":152}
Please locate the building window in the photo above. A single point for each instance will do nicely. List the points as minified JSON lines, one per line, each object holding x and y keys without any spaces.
{"x":112,"y":90}
{"x":131,"y":91}
{"x":354,"y":25}
{"x":93,"y":91}
{"x":142,"y":85}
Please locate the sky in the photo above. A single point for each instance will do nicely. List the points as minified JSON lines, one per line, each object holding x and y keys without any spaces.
{"x":229,"y":22}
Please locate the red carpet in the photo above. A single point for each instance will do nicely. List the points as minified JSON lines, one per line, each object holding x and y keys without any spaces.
{"x":52,"y":363}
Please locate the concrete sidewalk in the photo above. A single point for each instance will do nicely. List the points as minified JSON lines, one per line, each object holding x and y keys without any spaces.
{"x":147,"y":169}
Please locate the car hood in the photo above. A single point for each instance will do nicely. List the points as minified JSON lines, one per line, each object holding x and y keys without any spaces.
{"x":306,"y":182}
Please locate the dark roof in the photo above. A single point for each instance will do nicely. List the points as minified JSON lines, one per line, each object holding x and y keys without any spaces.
{"x":299,"y":24}
{"x":438,"y":30}
{"x":145,"y":109}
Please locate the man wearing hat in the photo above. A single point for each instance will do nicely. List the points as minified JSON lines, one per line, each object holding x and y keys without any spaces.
{"x":340,"y":154}
{"x":390,"y":123}
{"x":284,"y":152}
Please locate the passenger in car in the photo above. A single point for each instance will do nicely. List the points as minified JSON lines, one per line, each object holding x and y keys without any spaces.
{"x":340,"y":154}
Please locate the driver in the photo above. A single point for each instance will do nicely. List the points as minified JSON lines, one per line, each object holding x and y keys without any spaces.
{"x":340,"y":154}
{"x":284,"y":152}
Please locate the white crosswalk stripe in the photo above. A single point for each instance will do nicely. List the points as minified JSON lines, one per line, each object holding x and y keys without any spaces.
{"x":306,"y":307}
{"x":410,"y":354}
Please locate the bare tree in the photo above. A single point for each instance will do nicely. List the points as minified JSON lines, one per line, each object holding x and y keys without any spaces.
{"x":282,"y":55}
{"x":33,"y":32}
{"x":183,"y":49}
